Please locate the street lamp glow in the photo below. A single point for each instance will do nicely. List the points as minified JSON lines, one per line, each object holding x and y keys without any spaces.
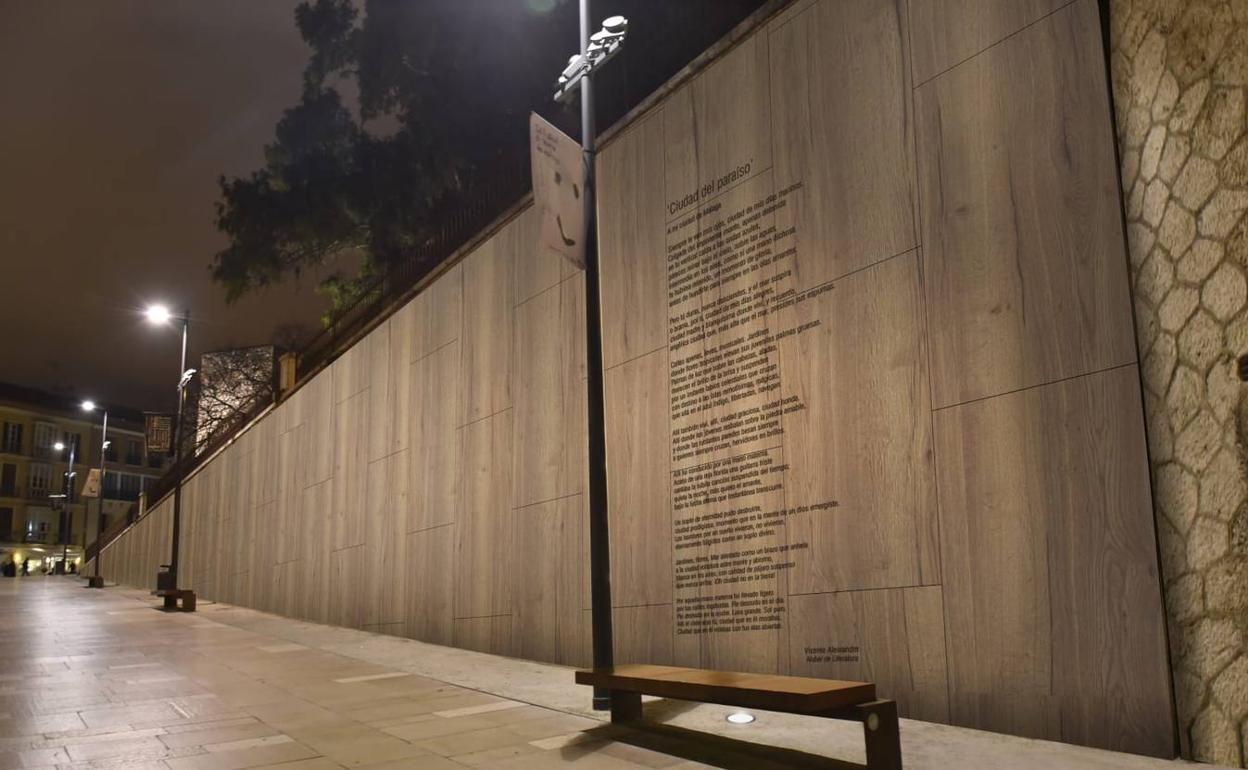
{"x":88,"y":405}
{"x":158,"y":314}
{"x":59,"y":446}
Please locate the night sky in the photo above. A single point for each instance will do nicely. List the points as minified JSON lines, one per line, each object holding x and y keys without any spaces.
{"x":117,"y":119}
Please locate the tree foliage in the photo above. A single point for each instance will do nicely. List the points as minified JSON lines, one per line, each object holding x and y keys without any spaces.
{"x":410,"y":107}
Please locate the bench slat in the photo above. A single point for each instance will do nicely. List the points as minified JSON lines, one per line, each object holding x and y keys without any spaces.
{"x":763,"y":691}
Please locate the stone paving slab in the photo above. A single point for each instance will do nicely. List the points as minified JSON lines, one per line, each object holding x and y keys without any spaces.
{"x":101,"y":679}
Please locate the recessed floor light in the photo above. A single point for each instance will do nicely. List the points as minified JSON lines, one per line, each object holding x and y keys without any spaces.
{"x":740,"y":718}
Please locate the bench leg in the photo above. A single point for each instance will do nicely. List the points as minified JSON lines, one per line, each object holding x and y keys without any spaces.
{"x":625,"y":706}
{"x":879,"y":726}
{"x":171,"y":602}
{"x":188,"y":601}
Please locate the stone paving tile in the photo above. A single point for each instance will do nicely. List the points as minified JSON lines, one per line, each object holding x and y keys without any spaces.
{"x":243,"y":758}
{"x":218,"y":734}
{"x":472,"y":741}
{"x":283,"y":710}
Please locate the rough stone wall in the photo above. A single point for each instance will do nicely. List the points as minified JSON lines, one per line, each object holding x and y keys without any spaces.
{"x":1179,"y":71}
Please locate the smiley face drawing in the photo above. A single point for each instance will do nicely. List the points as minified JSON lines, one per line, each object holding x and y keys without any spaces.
{"x":560,"y":186}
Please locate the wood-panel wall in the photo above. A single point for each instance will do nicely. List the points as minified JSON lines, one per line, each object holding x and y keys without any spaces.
{"x":872,"y":397}
{"x":426,"y":484}
{"x":963,"y":491}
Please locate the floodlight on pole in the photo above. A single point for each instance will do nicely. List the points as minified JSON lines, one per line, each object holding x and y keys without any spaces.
{"x":96,"y":581}
{"x":596,"y":50}
{"x":599,"y":49}
{"x":59,"y":446}
{"x":158,"y":314}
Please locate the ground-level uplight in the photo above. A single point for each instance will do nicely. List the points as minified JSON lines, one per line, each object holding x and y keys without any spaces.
{"x":740,"y":718}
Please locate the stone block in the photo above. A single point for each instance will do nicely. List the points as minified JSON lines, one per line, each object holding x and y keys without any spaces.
{"x":1224,"y":294}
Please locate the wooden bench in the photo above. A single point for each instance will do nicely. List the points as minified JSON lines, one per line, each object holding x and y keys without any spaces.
{"x":853,"y":701}
{"x":173,"y":595}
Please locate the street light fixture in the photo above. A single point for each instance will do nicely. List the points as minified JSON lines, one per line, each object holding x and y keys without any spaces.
{"x":67,"y":514}
{"x":596,"y":50}
{"x":95,"y":581}
{"x":599,"y":48}
{"x":160,"y":315}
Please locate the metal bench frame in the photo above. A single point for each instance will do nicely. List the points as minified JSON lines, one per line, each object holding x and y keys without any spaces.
{"x":878,"y":717}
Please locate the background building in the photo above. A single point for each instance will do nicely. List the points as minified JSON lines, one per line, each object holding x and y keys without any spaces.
{"x":32,"y":470}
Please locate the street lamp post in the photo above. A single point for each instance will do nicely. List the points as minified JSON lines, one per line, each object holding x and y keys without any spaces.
{"x":95,"y":581}
{"x":159,"y":314}
{"x":596,"y":50}
{"x":67,"y":513}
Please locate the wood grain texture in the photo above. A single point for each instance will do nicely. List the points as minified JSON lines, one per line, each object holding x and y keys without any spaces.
{"x":430,"y":576}
{"x":1024,"y":258}
{"x":386,"y":514}
{"x":547,"y":609}
{"x":347,"y":527}
{"x":638,"y":481}
{"x":350,"y":372}
{"x":895,"y":635}
{"x":549,"y":394}
{"x":314,"y":553}
{"x":435,"y":446}
{"x":536,"y":270}
{"x":856,"y":204}
{"x":484,"y":575}
{"x":644,"y":634}
{"x":802,"y":695}
{"x":1050,"y":582}
{"x":632,"y":250}
{"x":487,"y":330}
{"x":867,"y":429}
{"x":491,"y":634}
{"x":947,"y":32}
{"x":719,"y":121}
{"x":316,"y":407}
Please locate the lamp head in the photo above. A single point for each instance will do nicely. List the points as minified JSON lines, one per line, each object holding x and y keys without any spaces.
{"x":158,"y":314}
{"x":88,"y":405}
{"x":59,"y":446}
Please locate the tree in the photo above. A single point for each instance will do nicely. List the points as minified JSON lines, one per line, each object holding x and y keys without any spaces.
{"x":230,"y":385}
{"x":442,"y":91}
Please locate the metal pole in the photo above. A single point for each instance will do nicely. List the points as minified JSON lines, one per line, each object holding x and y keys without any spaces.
{"x":69,"y":512}
{"x":99,"y":508}
{"x":599,"y":535}
{"x":177,"y":455}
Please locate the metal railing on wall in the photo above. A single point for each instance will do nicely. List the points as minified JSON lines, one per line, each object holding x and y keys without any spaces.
{"x":400,"y":278}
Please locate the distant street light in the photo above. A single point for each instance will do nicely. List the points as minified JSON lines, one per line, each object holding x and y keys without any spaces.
{"x":95,"y":581}
{"x":160,"y":315}
{"x":67,"y":515}
{"x":596,"y":50}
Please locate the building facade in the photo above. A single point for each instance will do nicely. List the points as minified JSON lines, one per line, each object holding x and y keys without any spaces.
{"x":34,"y":494}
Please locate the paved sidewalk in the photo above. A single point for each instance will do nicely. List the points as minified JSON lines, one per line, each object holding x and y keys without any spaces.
{"x":101,"y":679}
